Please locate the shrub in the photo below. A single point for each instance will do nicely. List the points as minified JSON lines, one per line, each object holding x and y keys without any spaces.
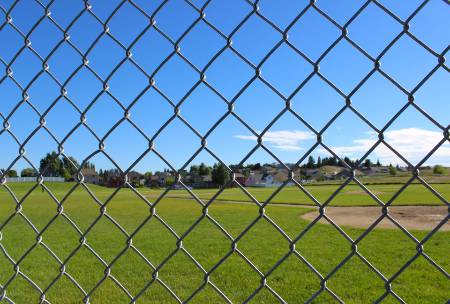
{"x":438,"y":169}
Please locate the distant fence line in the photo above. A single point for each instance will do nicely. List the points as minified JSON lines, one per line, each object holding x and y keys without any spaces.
{"x":34,"y":179}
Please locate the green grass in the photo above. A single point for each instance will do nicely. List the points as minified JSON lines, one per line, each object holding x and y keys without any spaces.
{"x":322,"y":246}
{"x":351,"y":195}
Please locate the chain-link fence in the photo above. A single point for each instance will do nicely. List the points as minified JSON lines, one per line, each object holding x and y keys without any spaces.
{"x":12,"y":272}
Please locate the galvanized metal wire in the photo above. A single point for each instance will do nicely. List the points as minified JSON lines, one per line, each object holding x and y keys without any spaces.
{"x":283,"y":39}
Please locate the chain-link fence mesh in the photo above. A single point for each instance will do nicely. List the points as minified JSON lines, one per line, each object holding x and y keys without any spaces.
{"x":63,"y":39}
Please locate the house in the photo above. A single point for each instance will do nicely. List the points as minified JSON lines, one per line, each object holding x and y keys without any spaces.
{"x":281,"y":176}
{"x":113,"y":179}
{"x":91,"y":176}
{"x":135,"y":178}
{"x":240,"y":178}
{"x":253,"y":179}
{"x":202,"y":181}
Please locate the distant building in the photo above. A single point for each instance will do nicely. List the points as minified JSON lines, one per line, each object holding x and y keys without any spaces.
{"x":253,"y":180}
{"x":240,"y":178}
{"x":135,"y":178}
{"x":91,"y":176}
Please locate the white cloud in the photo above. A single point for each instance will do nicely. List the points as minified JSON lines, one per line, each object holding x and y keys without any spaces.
{"x":412,"y":143}
{"x":285,"y":140}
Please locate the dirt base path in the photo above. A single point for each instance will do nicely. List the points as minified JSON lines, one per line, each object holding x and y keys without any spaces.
{"x":410,"y":217}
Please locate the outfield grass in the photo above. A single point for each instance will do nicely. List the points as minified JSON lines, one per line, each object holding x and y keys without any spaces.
{"x":322,"y":246}
{"x":351,"y":195}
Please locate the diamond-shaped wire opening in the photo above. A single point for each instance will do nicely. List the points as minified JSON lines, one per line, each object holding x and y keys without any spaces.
{"x":10,"y":94}
{"x":105,"y":56}
{"x":20,"y":289}
{"x":236,"y":278}
{"x":151,"y":50}
{"x":15,"y":43}
{"x":416,"y":62}
{"x":136,"y":142}
{"x":124,"y":31}
{"x":43,"y":93}
{"x":313,"y":34}
{"x":368,"y":285}
{"x":421,"y":137}
{"x":342,"y":15}
{"x":180,"y":264}
{"x":432,"y":15}
{"x":345,"y":57}
{"x":255,"y":39}
{"x":282,"y":65}
{"x":258,"y":105}
{"x":380,"y":36}
{"x":25,"y":67}
{"x":124,"y":270}
{"x":95,"y":115}
{"x":328,"y":240}
{"x":119,"y":83}
{"x":317,"y":103}
{"x":64,"y":62}
{"x":354,"y":135}
{"x":175,"y":78}
{"x":62,"y":118}
{"x":410,"y":286}
{"x":64,"y":13}
{"x":109,"y":289}
{"x":263,"y":244}
{"x":189,"y":208}
{"x":102,"y":10}
{"x":281,"y":17}
{"x":82,"y":88}
{"x":175,"y":10}
{"x":402,"y":11}
{"x":228,"y":74}
{"x":434,"y":86}
{"x":25,"y":21}
{"x":215,"y":244}
{"x":179,"y":151}
{"x":82,"y":39}
{"x":45,"y":37}
{"x":228,"y":15}
{"x":201,"y":44}
{"x":294,"y":271}
{"x":27,"y":126}
{"x":203,"y":108}
{"x":378,"y":100}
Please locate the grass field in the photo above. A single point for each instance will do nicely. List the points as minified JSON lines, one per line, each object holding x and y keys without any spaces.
{"x":351,"y":195}
{"x":322,"y":246}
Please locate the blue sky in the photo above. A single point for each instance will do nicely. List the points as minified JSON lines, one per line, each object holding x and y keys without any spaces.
{"x":378,"y":99}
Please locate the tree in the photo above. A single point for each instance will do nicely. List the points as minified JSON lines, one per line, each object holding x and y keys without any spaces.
{"x":392,"y":170}
{"x":348,"y":161}
{"x":10,"y":172}
{"x":170,"y":180}
{"x":378,"y":163}
{"x":311,"y":162}
{"x":319,"y":162}
{"x":203,"y":169}
{"x":257,"y":167}
{"x":220,"y":175}
{"x":51,"y":165}
{"x":438,"y":169}
{"x":368,"y":163}
{"x":194,"y":170}
{"x":28,"y":172}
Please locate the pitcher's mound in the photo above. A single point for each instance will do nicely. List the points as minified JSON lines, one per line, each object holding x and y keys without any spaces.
{"x":410,"y":217}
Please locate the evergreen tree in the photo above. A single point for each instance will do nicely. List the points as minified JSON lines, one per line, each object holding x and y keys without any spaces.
{"x":220,"y":175}
{"x":311,"y":162}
